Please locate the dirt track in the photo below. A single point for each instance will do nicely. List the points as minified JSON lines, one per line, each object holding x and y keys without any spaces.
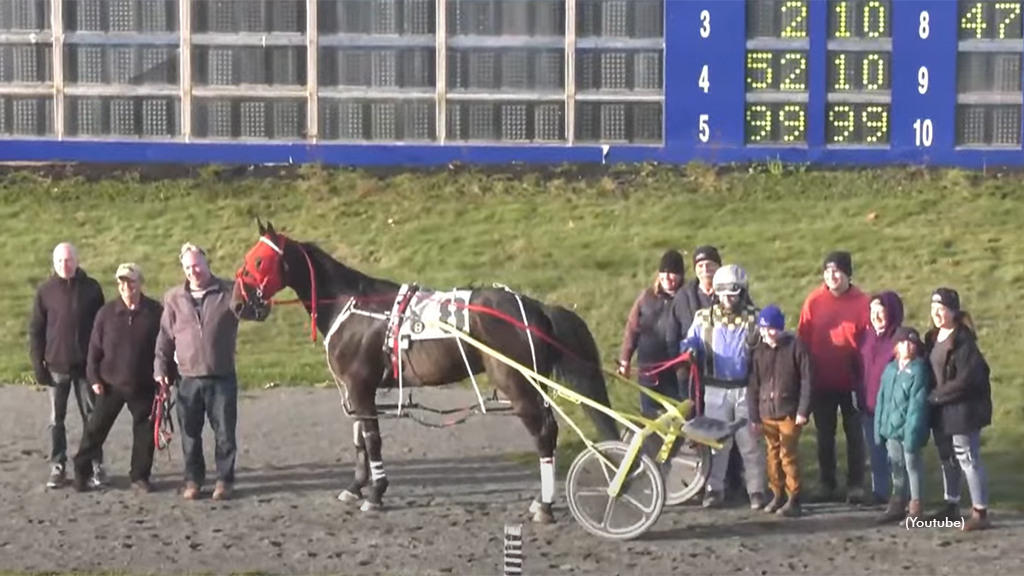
{"x":451,"y":493}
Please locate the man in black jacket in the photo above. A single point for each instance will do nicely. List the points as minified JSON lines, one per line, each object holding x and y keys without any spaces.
{"x":121,"y":354}
{"x":63,"y":311}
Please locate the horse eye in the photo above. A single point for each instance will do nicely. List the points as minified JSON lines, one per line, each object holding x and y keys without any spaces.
{"x":259,"y":262}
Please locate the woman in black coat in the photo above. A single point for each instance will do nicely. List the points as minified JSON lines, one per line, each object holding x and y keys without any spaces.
{"x":961,"y":403}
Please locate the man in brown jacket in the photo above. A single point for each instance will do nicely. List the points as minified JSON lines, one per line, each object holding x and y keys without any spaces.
{"x":121,"y":371}
{"x":779,"y":395}
{"x":198,"y":331}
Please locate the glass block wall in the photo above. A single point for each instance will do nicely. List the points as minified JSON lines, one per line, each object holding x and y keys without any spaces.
{"x":441,"y":71}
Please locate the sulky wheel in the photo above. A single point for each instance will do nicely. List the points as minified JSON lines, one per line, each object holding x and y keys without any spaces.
{"x":633,"y":511}
{"x":686,"y":471}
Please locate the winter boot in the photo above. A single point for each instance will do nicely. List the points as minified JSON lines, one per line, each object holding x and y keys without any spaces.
{"x":979,"y":520}
{"x":950,"y":510}
{"x":896,"y":510}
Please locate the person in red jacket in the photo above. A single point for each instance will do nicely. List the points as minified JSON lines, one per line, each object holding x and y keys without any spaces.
{"x":831,"y":321}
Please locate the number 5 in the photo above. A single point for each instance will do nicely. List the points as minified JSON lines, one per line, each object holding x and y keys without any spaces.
{"x":705,"y":24}
{"x":705,"y":130}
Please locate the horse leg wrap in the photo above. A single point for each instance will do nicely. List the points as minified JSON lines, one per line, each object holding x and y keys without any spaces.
{"x":354,"y":492}
{"x":378,"y":486}
{"x":547,"y":480}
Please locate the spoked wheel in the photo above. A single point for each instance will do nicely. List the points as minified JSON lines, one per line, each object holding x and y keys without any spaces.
{"x":633,"y":511}
{"x":685,"y":472}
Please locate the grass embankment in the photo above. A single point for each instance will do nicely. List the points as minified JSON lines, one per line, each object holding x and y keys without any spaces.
{"x":591,"y":242}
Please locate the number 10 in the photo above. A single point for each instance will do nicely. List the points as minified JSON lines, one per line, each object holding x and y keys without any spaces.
{"x":923,"y":132}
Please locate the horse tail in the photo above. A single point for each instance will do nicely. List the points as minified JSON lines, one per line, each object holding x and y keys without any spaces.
{"x":581,"y":369}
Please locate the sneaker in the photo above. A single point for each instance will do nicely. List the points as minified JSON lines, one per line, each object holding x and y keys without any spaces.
{"x":855,"y":496}
{"x":950,"y":510}
{"x":222,"y":491}
{"x":792,"y":507}
{"x":712,"y":499}
{"x":979,"y":520}
{"x":99,"y":475}
{"x":757,"y":501}
{"x":191,"y":491}
{"x":57,"y":476}
{"x":777,"y":501}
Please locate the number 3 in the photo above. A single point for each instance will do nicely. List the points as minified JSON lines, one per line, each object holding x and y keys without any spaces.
{"x":705,"y":130}
{"x":922,"y":30}
{"x":705,"y":24}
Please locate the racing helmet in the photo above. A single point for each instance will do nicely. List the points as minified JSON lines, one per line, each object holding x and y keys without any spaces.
{"x":730,"y":280}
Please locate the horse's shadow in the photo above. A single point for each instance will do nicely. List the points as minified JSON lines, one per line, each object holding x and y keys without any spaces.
{"x":444,"y":476}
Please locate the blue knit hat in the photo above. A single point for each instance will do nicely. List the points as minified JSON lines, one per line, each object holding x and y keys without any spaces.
{"x":772,"y":317}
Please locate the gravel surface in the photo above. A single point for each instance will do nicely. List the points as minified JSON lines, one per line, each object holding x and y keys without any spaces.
{"x":452,"y":492}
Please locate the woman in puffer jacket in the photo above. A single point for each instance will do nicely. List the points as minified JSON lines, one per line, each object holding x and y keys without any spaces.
{"x":876,"y":349}
{"x":901,"y":423}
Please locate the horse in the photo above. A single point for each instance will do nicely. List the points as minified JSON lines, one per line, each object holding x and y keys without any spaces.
{"x":356,"y":312}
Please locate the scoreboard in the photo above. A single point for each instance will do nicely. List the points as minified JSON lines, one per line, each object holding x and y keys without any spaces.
{"x":418,"y":82}
{"x":854,"y":81}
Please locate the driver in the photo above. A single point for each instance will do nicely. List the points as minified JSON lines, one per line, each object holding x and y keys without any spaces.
{"x":722,"y":338}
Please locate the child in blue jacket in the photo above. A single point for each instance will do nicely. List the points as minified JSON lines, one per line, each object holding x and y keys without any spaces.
{"x":901,"y":422}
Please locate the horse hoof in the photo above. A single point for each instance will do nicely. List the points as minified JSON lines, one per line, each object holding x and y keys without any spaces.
{"x":347,"y":496}
{"x":543,"y":517}
{"x":370,"y":506}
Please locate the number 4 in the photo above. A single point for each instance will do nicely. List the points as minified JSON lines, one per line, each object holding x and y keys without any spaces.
{"x":703,"y":81}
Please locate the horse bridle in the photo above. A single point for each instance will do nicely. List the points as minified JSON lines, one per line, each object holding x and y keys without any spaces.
{"x":262,"y":279}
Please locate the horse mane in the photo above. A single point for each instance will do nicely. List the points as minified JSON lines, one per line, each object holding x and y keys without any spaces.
{"x":336,"y":274}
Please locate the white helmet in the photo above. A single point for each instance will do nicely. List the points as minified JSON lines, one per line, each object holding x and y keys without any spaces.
{"x":730,"y":280}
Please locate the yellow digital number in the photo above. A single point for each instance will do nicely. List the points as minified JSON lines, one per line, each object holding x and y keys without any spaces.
{"x":840,"y":66}
{"x":794,"y":18}
{"x":843,"y":28}
{"x":793,"y":121}
{"x":875,"y":120}
{"x":974,"y":20}
{"x":879,"y":31}
{"x":842,"y":119}
{"x":759,"y":118}
{"x":759,"y":64}
{"x":1007,"y":12}
{"x":873,"y":72}
{"x":793,"y":66}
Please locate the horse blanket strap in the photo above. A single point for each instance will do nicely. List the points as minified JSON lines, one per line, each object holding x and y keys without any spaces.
{"x":392,"y":344}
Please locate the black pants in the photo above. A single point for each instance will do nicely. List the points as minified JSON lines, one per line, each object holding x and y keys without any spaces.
{"x":108,"y":407}
{"x":217,"y":399}
{"x":60,"y":393}
{"x":825,"y":406}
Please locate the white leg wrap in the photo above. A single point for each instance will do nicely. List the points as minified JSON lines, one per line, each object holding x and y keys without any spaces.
{"x":376,"y":470}
{"x":547,"y":480}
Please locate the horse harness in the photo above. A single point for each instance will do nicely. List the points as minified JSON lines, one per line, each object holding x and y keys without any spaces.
{"x":397,"y":339}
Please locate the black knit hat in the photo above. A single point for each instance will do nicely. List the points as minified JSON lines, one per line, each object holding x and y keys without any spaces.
{"x":842,"y":260}
{"x":703,"y":253}
{"x":672,"y":263}
{"x":948,"y":298}
{"x":906,"y":333}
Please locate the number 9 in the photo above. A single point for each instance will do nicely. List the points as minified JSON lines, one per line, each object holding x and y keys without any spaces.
{"x":922,"y":80}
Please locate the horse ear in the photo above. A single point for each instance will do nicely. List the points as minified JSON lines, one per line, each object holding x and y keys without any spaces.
{"x":259,"y":225}
{"x":270,"y":229}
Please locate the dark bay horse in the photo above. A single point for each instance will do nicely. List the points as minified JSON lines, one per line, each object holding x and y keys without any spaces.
{"x":360,"y":359}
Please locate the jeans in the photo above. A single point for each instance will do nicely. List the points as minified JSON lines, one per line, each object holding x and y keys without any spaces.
{"x":664,"y":383}
{"x":108,"y":407}
{"x":960,"y":452}
{"x":826,"y":403}
{"x":215,"y":398}
{"x":59,"y":393}
{"x":729,"y":405}
{"x":783,"y":439}
{"x":879,"y":458}
{"x":906,"y":470}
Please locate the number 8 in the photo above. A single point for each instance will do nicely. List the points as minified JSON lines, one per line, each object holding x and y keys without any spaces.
{"x":922,"y":31}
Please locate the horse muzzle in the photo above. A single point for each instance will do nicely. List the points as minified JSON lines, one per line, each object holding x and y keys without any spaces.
{"x":248,"y":304}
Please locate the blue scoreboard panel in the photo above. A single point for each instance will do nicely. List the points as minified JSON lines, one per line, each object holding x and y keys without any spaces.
{"x":854,"y":81}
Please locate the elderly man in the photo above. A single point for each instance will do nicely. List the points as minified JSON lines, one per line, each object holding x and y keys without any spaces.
{"x":63,"y":312}
{"x":120,"y":368}
{"x":198,"y":331}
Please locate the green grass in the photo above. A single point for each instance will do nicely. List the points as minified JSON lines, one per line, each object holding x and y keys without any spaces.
{"x":590,"y":240}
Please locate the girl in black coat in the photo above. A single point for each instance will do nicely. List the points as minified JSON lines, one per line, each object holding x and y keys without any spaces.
{"x":961,"y":403}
